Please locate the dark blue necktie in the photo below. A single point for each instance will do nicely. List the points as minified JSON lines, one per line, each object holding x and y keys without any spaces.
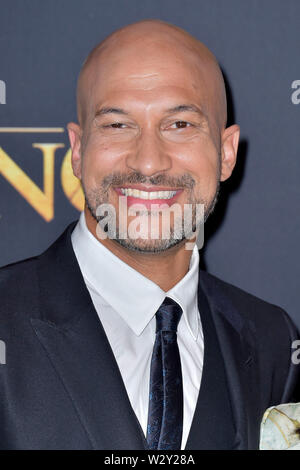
{"x":165,"y":416}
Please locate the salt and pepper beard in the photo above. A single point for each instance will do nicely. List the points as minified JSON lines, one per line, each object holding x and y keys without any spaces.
{"x":100,"y":195}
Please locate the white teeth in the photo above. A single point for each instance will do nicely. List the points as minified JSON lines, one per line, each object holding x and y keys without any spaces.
{"x":148,"y":194}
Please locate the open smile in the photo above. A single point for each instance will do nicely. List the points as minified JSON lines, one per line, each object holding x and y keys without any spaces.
{"x":146,"y":196}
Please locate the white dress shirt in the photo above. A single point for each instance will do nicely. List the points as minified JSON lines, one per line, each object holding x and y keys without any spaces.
{"x":126,"y":302}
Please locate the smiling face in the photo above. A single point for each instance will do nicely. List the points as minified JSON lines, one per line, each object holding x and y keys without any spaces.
{"x":151,"y":108}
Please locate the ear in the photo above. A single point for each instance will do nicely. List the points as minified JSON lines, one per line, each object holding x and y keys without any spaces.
{"x":230,"y":142}
{"x":75,"y":134}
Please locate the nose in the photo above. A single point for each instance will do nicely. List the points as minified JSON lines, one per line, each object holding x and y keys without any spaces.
{"x":149,"y":155}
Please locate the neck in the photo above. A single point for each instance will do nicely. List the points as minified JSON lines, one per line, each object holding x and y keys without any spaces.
{"x":165,"y":269}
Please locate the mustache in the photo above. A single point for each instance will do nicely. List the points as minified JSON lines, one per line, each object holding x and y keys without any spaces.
{"x":119,"y":179}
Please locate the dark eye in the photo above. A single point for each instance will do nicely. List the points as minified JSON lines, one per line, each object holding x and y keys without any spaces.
{"x":181,"y":124}
{"x":116,"y":125}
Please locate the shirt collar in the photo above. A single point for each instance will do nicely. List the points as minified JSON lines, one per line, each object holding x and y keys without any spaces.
{"x":133,"y":296}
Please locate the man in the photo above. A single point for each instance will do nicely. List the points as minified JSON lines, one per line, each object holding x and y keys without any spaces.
{"x":121,"y":342}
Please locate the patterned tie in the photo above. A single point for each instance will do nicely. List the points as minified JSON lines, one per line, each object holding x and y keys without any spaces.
{"x":165,"y":416}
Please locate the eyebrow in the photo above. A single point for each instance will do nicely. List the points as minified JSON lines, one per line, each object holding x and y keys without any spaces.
{"x":104,"y":110}
{"x":186,"y":108}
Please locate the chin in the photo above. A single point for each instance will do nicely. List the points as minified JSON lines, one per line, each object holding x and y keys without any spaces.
{"x":146,"y":246}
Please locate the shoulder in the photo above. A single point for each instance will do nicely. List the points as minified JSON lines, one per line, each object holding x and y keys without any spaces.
{"x":18,"y":288}
{"x":14,"y":271}
{"x":266,"y":328}
{"x":20,"y":281}
{"x":263,"y":316}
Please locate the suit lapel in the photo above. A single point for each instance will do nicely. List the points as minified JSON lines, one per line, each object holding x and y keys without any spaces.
{"x":75,"y":342}
{"x":213,"y":411}
{"x":237,"y":344}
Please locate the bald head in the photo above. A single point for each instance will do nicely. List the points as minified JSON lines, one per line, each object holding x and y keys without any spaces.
{"x":142,"y":50}
{"x":152,"y":117}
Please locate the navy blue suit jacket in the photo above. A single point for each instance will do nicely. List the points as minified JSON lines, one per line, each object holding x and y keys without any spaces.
{"x":61,"y":387}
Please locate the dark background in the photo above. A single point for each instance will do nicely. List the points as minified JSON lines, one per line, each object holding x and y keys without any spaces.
{"x":252,"y":239}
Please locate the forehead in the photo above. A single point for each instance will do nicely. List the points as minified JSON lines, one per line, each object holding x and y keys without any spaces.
{"x":149,"y":78}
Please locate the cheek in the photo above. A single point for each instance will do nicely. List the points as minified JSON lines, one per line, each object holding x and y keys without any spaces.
{"x":99,"y":159}
{"x":207,"y":177}
{"x":202,"y":161}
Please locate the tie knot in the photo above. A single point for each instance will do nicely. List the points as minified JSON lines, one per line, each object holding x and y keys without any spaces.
{"x":168,"y":315}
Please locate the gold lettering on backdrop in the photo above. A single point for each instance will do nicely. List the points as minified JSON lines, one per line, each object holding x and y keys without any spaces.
{"x":70,"y":184}
{"x":41,"y":200}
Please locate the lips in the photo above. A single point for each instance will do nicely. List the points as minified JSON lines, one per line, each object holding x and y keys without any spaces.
{"x":147,"y":197}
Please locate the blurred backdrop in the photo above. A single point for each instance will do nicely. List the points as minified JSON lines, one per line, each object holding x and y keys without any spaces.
{"x":252,"y":239}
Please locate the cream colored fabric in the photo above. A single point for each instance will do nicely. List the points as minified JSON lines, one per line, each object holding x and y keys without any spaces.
{"x":279,"y":428}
